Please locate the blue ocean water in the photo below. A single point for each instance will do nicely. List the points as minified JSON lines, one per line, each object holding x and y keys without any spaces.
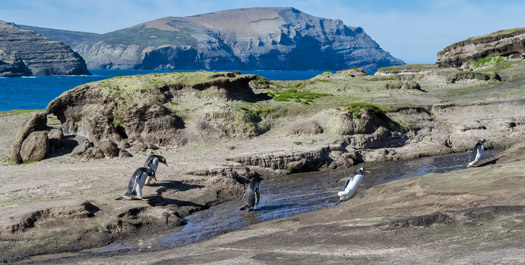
{"x":36,"y":92}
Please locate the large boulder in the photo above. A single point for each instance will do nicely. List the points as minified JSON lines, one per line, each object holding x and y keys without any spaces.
{"x":35,"y":147}
{"x":37,"y":122}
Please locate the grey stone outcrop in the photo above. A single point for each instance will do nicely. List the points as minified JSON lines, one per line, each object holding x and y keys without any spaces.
{"x":25,"y":52}
{"x":466,"y":52}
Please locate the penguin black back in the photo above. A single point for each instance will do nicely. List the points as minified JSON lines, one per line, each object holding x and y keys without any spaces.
{"x":134,"y":182}
{"x":252,"y":194}
{"x":477,"y":152}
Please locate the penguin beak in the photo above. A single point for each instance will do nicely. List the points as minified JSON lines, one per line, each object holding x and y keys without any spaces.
{"x":154,"y":178}
{"x":366,"y":171}
{"x":166,"y":164}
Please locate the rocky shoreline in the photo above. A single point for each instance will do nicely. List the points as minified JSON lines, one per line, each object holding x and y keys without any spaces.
{"x":216,"y":129}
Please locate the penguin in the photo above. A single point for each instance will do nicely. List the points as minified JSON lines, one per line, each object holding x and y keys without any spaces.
{"x":136,"y":183}
{"x":351,"y":185}
{"x":252,"y":195}
{"x":152,"y":162}
{"x":476,"y":154}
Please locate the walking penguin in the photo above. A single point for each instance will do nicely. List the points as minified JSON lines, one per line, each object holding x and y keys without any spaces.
{"x":252,"y":194}
{"x":153,"y":163}
{"x":351,"y":185}
{"x":477,"y":152}
{"x":136,"y":183}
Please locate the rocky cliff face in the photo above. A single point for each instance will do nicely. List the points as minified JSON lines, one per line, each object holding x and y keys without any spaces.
{"x":253,"y":38}
{"x":24,"y":52}
{"x":467,"y":52}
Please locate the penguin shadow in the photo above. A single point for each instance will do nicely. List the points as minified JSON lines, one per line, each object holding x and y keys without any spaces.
{"x":159,"y":200}
{"x":174,"y":185}
{"x":486,"y":162}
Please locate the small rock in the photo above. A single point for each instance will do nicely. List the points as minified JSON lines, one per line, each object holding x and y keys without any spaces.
{"x":92,"y":153}
{"x":305,"y":128}
{"x":124,"y":153}
{"x":81,"y":148}
{"x":109,"y":149}
{"x":55,"y":139}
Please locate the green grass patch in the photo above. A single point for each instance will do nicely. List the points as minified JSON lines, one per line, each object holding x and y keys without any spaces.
{"x":256,"y":112}
{"x":298,"y":143}
{"x":488,"y":60}
{"x":355,"y":108}
{"x":295,"y":95}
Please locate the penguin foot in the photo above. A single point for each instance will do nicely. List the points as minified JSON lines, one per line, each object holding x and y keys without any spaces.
{"x":144,"y":199}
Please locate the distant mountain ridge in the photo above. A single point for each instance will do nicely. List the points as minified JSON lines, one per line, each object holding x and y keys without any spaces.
{"x":279,"y":38}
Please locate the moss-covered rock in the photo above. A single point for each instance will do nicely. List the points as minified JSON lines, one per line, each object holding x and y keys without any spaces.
{"x":129,"y":108}
{"x":363,"y":118}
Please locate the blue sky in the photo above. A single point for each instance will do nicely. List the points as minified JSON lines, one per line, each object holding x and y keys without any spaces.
{"x":413,"y":31}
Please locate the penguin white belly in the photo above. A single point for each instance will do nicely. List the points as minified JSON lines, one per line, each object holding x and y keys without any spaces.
{"x":140,"y":184}
{"x":153,"y":166}
{"x":480,"y":153}
{"x":257,"y":195}
{"x":351,"y":188}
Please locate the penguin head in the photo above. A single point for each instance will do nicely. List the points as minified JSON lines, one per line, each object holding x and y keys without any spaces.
{"x":163,"y":160}
{"x":361,"y":171}
{"x":482,"y":141}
